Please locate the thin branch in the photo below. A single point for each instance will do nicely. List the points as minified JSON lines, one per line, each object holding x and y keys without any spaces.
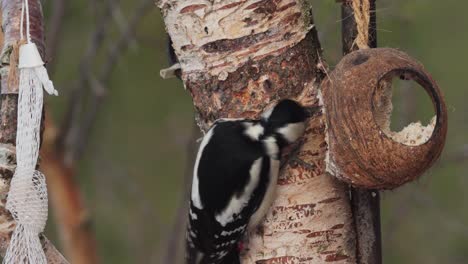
{"x":76,"y":129}
{"x":54,"y":31}
{"x":119,"y":20}
{"x":114,"y":54}
{"x":53,"y":256}
{"x":60,"y":151}
{"x":365,"y":203}
{"x":73,"y":220}
{"x":70,"y":126}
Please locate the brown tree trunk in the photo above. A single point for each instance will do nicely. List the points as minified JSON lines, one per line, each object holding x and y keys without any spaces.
{"x":11,"y":13}
{"x":237,"y":58}
{"x":73,"y":221}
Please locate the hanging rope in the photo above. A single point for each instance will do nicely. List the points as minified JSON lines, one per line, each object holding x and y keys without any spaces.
{"x":27,"y":198}
{"x":361,"y":10}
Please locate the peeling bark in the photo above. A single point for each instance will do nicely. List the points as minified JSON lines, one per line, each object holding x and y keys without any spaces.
{"x":238,"y":57}
{"x":11,"y":14}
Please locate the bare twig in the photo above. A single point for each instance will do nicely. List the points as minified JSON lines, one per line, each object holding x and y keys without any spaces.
{"x":83,"y":128}
{"x":73,"y":220}
{"x":126,"y":37}
{"x":69,"y":210}
{"x":55,"y":26}
{"x":62,"y":148}
{"x":70,"y":126}
{"x":53,"y":256}
{"x":119,"y":20}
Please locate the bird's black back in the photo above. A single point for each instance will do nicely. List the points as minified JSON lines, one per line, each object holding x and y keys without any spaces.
{"x":223,"y":171}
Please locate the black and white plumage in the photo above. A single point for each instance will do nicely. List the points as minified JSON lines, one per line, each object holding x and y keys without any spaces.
{"x":234,"y":180}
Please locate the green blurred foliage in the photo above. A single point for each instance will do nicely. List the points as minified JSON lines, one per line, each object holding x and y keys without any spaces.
{"x":132,"y":172}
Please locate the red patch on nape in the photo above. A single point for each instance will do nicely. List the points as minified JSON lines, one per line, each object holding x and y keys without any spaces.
{"x":240,"y":246}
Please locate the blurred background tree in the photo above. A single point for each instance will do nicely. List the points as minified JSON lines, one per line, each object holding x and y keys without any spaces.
{"x":132,"y":167}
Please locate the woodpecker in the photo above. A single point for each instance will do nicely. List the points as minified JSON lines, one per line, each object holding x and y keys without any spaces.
{"x":234,"y":180}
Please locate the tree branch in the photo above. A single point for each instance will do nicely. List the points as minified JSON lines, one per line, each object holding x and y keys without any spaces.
{"x":76,"y":130}
{"x":54,"y":31}
{"x":73,"y":220}
{"x":365,"y":203}
{"x":62,"y":148}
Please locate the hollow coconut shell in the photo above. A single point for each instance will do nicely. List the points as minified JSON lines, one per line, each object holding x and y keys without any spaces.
{"x":357,"y":102}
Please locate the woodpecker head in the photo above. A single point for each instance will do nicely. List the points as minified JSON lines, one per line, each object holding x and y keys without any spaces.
{"x":286,"y":119}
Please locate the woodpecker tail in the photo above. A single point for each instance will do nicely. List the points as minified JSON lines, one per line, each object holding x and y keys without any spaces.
{"x":231,"y":258}
{"x":192,"y":255}
{"x":196,"y":257}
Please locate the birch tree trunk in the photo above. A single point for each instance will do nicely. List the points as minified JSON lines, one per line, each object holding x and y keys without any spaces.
{"x":11,"y":14}
{"x":239,"y":56}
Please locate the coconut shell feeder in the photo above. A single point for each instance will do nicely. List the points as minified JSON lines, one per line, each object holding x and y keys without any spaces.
{"x":363,"y":151}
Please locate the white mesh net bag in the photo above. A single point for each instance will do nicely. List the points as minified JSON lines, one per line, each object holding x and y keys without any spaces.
{"x":27,"y":198}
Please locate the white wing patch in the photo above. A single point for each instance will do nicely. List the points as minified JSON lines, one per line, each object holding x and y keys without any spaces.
{"x":271,"y":147}
{"x":199,"y":257}
{"x":192,"y":234}
{"x":193,"y":215}
{"x":236,"y":204}
{"x":292,"y":132}
{"x":266,"y":115}
{"x":254,"y":131}
{"x":221,"y":120}
{"x":220,"y":255}
{"x":195,"y":189}
{"x":228,"y":233}
{"x":225,"y":244}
